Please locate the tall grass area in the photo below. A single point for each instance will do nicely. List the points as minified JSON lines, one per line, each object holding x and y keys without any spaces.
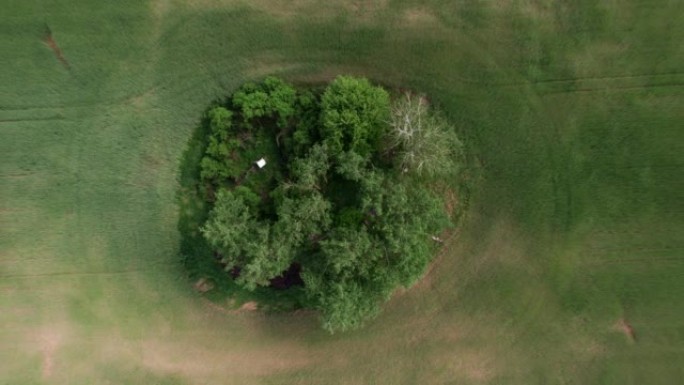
{"x":568,"y":267}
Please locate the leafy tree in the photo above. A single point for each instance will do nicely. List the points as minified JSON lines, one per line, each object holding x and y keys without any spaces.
{"x":252,"y":102}
{"x":268,"y":254}
{"x":220,"y":121}
{"x":409,"y":218}
{"x":354,"y":115}
{"x":339,"y":280}
{"x":272,"y":97}
{"x":344,"y":304}
{"x":230,"y":223}
{"x":260,"y":251}
{"x":215,"y":163}
{"x":308,"y":172}
{"x":282,"y":98}
{"x":358,"y":231}
{"x":350,"y":165}
{"x":358,"y":268}
{"x":303,"y":216}
{"x":248,"y":197}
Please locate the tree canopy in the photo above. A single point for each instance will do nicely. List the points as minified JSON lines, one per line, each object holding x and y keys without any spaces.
{"x":336,"y":197}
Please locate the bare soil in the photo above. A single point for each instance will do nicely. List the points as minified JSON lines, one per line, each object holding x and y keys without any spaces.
{"x":50,"y":41}
{"x":624,"y":326}
{"x":249,"y":306}
{"x":49,"y":340}
{"x":204,"y":285}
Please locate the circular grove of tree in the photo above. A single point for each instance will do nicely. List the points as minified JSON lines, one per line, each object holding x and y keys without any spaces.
{"x":344,"y":197}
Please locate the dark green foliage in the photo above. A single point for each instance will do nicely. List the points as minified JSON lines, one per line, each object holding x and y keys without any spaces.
{"x":345,"y":303}
{"x":272,"y":97}
{"x":305,"y":131}
{"x":354,"y":115}
{"x":358,"y":231}
{"x":310,"y":171}
{"x":302,"y":219}
{"x":350,"y":165}
{"x":229,"y":223}
{"x":221,"y":146}
{"x":260,"y":251}
{"x":388,"y":248}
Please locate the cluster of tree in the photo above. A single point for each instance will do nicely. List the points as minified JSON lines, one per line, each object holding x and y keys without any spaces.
{"x":345,"y":208}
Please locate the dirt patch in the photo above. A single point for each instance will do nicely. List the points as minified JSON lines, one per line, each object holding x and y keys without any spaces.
{"x":204,"y":285}
{"x":48,"y":340}
{"x":211,"y":362}
{"x":419,"y":17}
{"x":474,"y":366}
{"x":625,"y":327}
{"x":49,"y":40}
{"x":256,"y":68}
{"x":246,"y":307}
{"x":451,"y":202}
{"x":327,"y":74}
{"x":48,"y":348}
{"x":249,"y":306}
{"x":363,"y":10}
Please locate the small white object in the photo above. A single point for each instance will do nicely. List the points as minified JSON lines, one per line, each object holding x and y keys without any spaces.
{"x":261,"y":162}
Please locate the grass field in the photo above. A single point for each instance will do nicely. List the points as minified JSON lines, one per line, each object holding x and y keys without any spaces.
{"x":569,"y":265}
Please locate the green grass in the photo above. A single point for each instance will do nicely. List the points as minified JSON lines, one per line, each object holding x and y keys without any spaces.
{"x":571,"y":112}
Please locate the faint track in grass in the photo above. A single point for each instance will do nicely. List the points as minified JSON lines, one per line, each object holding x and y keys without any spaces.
{"x":523,"y":83}
{"x":592,"y":83}
{"x":635,"y":255}
{"x":594,"y":78}
{"x":76,"y":274}
{"x":609,"y":83}
{"x":626,"y":88}
{"x":18,"y":175}
{"x":119,"y":100}
{"x":659,"y":260}
{"x":34,"y":119}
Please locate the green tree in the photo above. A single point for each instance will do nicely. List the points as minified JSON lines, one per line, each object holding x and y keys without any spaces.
{"x":408,"y":219}
{"x":220,"y":121}
{"x":339,"y":279}
{"x":216,"y":163}
{"x":267,"y":254}
{"x":259,"y":250}
{"x":230,"y":223}
{"x":344,"y":304}
{"x":357,"y":268}
{"x":306,"y":127}
{"x":354,"y":115}
{"x":358,"y":231}
{"x":351,"y":165}
{"x":303,"y":216}
{"x":272,"y":97}
{"x":310,"y":171}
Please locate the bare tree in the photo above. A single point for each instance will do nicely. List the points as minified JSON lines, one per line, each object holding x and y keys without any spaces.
{"x":423,"y":141}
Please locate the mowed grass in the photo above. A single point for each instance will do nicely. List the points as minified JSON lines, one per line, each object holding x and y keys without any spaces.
{"x":572,"y":114}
